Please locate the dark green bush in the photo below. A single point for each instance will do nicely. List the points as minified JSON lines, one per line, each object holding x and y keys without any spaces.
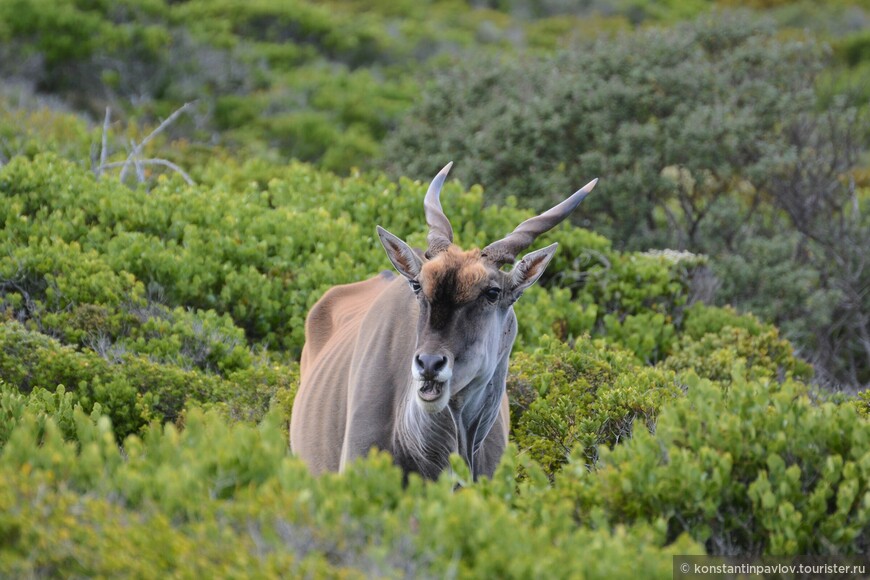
{"x":808,"y":282}
{"x":671,"y":119}
{"x":320,"y":83}
{"x":854,"y":49}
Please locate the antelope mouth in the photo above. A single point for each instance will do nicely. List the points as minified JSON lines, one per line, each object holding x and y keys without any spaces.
{"x":431,"y":391}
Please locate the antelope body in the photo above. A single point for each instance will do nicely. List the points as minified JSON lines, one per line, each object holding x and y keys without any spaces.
{"x":416,"y":364}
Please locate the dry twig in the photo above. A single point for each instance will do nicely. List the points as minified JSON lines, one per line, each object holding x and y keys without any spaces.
{"x":134,"y":158}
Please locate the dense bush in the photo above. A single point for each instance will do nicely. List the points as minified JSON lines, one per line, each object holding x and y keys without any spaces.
{"x":215,"y":499}
{"x":132,"y":390}
{"x":318,"y":83}
{"x":156,"y":297}
{"x":574,"y":399}
{"x":751,"y":469}
{"x":673,"y":119}
{"x":717,"y":339}
{"x":567,"y":399}
{"x":754,"y":468}
{"x":89,"y":260}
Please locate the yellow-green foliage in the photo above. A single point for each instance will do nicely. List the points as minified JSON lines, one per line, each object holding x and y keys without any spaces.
{"x":863,"y":404}
{"x":217,"y":500}
{"x":715,"y":339}
{"x":198,"y":277}
{"x":188,"y":280}
{"x":132,"y":389}
{"x":157,"y":297}
{"x":581,"y":398}
{"x":754,"y":468}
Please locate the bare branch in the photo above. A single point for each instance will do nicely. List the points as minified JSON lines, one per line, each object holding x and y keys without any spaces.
{"x":137,"y":147}
{"x":163,"y":162}
{"x":104,"y":149}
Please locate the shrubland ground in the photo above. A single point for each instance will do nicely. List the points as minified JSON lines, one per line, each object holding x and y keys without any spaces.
{"x":150,"y":328}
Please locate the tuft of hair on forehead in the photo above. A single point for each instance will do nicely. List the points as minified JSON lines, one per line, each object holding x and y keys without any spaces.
{"x":453,"y":275}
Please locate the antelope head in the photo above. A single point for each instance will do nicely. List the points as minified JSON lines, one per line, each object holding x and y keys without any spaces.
{"x":465,"y":324}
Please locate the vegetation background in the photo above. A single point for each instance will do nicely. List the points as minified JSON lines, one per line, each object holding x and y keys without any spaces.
{"x":180,"y":182}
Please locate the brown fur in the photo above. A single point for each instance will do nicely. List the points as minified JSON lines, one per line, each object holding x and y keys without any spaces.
{"x":455,"y":272}
{"x":330,"y":331}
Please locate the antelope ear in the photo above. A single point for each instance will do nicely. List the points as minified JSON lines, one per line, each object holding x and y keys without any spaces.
{"x":405,"y":260}
{"x":529,"y":269}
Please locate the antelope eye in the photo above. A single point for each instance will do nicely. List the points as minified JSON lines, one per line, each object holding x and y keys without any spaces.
{"x":415,"y":286}
{"x":492,"y":294}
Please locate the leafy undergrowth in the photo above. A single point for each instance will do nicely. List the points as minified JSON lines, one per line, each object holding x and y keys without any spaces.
{"x":226,"y":499}
{"x":148,"y":347}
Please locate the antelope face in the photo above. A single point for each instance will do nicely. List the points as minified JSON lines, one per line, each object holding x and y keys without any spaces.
{"x":465,"y":324}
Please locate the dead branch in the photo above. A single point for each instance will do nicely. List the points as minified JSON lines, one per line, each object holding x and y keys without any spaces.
{"x":137,"y":147}
{"x":104,"y":148}
{"x":163,"y":162}
{"x":134,"y":158}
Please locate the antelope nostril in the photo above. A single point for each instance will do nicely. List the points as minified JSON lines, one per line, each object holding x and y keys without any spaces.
{"x":430,"y":364}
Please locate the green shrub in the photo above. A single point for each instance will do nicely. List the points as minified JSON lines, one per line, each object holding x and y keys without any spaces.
{"x":633,"y":299}
{"x":133,"y":390}
{"x":264,"y":386}
{"x":63,"y":34}
{"x":807,"y":282}
{"x":25,"y":131}
{"x":648,"y":335}
{"x":194,"y":277}
{"x":854,"y":49}
{"x":754,"y":469}
{"x":225,"y":499}
{"x":590,"y":395}
{"x":701,"y":134}
{"x":862,"y":402}
{"x":586,"y":397}
{"x":258,"y":244}
{"x":552,"y":312}
{"x":321,"y":83}
{"x":40,"y":405}
{"x":701,"y":319}
{"x":716,"y":339}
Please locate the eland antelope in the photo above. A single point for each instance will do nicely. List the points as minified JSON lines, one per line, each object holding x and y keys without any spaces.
{"x":416,"y":364}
